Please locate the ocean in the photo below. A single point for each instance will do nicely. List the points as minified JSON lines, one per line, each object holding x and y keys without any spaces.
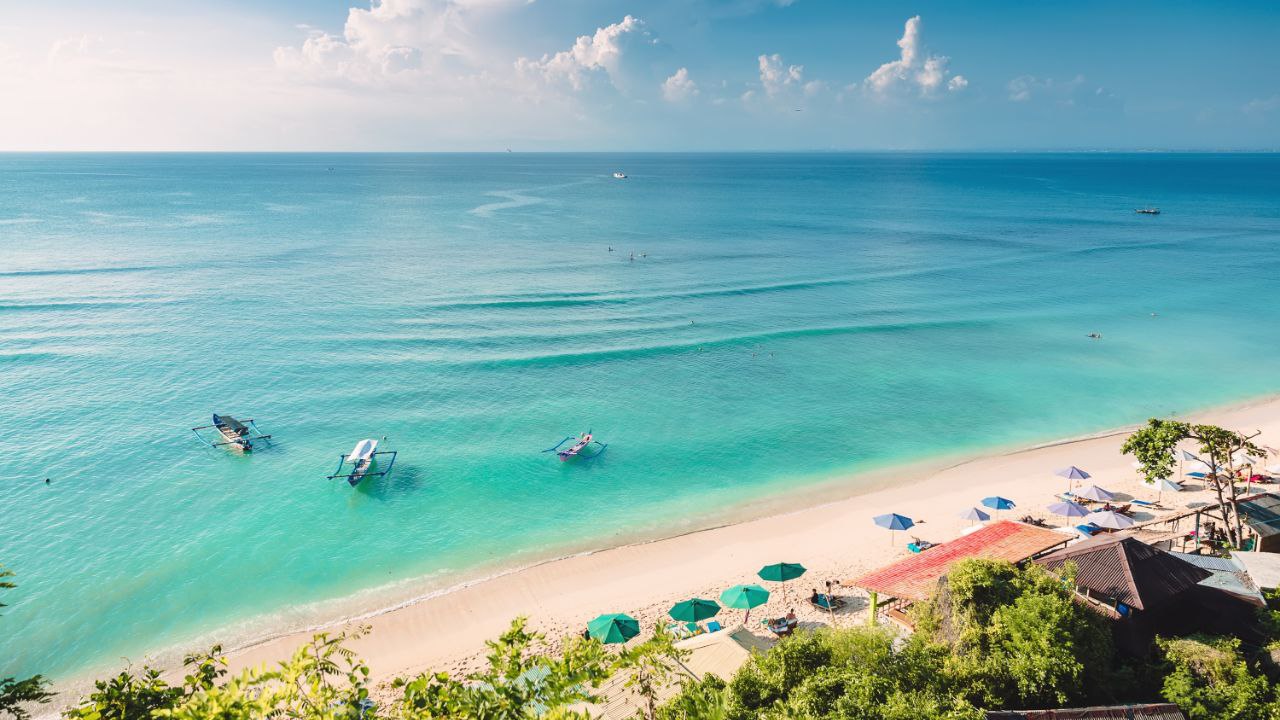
{"x":737,"y":327}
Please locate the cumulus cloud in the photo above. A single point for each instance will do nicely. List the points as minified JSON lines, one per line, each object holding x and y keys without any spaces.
{"x":775,"y":77}
{"x":679,"y":87}
{"x":590,"y":53}
{"x":390,"y":38}
{"x":915,"y":70}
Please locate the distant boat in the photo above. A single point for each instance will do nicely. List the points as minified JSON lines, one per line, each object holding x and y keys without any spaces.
{"x":620,"y":175}
{"x":580,"y":444}
{"x":1148,"y":211}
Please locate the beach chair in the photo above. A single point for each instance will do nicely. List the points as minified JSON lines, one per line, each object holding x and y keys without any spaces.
{"x":713,"y":626}
{"x":679,"y":631}
{"x":826,"y":603}
{"x":1088,"y":529}
{"x":1147,"y":504}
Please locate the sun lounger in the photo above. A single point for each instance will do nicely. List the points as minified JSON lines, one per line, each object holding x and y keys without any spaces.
{"x":826,"y":602}
{"x":1088,"y":529}
{"x":1147,"y":504}
{"x":713,"y":626}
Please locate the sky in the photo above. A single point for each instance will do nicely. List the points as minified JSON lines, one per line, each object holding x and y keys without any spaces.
{"x":638,"y":75}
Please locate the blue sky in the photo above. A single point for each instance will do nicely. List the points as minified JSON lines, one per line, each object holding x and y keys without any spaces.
{"x":638,"y":75}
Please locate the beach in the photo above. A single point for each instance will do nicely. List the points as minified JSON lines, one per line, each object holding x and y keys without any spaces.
{"x":794,"y":330}
{"x":835,"y":540}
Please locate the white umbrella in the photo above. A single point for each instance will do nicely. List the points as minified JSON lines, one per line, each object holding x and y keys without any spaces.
{"x":1109,"y":519}
{"x":975,"y":514}
{"x":1093,"y":492}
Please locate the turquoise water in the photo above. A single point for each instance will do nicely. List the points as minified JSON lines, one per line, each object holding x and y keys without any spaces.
{"x":792,"y":316}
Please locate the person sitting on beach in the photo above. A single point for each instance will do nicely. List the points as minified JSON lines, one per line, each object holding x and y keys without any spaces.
{"x":791,"y":618}
{"x":817,"y":598}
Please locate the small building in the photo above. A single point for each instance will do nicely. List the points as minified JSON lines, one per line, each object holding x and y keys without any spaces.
{"x":1261,"y":514}
{"x":1157,"y":711}
{"x":1147,"y":591}
{"x":1228,"y":575}
{"x":915,"y":578}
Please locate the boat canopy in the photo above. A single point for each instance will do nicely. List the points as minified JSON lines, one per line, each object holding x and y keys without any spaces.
{"x":230,"y":422}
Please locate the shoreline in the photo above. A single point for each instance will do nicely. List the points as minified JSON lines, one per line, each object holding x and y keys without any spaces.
{"x":398,"y":625}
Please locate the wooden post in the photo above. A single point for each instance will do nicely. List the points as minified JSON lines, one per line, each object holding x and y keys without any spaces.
{"x":873,"y":598}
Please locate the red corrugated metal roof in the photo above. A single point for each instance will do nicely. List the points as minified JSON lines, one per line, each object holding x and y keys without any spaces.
{"x":915,"y":578}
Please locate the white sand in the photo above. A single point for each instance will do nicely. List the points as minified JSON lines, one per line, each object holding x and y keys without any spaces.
{"x":835,"y":540}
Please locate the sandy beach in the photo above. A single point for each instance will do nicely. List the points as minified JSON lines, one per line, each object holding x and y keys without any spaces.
{"x":834,"y":539}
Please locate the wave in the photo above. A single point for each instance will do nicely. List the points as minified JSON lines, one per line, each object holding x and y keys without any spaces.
{"x":82,"y":271}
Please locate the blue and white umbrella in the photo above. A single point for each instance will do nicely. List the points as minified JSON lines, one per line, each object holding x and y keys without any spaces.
{"x":1072,"y":473}
{"x":893,"y":522}
{"x":1093,"y":492}
{"x":1068,"y":509}
{"x":995,"y":502}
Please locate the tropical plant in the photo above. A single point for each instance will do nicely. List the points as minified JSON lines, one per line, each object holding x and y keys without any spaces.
{"x":1154,"y":446}
{"x":323,"y":680}
{"x":136,"y":697}
{"x":650,"y":667}
{"x":15,"y":694}
{"x":522,"y":680}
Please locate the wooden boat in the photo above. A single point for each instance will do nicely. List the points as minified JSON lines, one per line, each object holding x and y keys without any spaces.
{"x":620,"y":175}
{"x":580,"y":444}
{"x":236,"y":434}
{"x":1148,"y":211}
{"x":362,"y":459}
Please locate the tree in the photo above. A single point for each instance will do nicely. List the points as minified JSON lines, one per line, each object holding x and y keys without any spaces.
{"x":1154,"y":446}
{"x":16,"y":694}
{"x":521,"y":681}
{"x":650,"y":667}
{"x":1015,"y":637}
{"x":1209,"y":679}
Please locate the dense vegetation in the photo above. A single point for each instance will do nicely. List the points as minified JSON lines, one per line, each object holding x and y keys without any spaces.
{"x":993,"y":636}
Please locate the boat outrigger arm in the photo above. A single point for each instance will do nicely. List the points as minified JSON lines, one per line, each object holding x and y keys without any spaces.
{"x":361,"y":459}
{"x":580,"y":443}
{"x":239,"y":433}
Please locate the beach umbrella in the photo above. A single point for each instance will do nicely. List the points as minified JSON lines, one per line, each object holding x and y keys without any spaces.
{"x":695,"y":610}
{"x":781,"y":573}
{"x":1167,"y":484}
{"x":1067,"y":509}
{"x":613,"y":628}
{"x":975,"y":515}
{"x":1072,"y":473}
{"x":893,"y":521}
{"x":995,"y":502}
{"x":1109,"y":519}
{"x":1093,"y":492}
{"x":744,"y":597}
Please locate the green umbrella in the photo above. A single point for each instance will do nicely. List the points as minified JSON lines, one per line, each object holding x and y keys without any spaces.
{"x":614,"y":628}
{"x":781,"y":572}
{"x":695,"y":610}
{"x":744,"y":597}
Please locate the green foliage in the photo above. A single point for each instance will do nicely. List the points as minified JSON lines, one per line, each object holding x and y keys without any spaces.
{"x":324,"y":680}
{"x":1014,"y":637}
{"x":16,"y":694}
{"x":518,"y":682}
{"x":136,"y":697}
{"x":1208,"y":678}
{"x":853,"y":673}
{"x":705,"y":699}
{"x":650,"y":667}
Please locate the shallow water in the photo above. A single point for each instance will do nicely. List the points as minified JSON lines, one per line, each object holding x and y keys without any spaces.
{"x":786,"y":316}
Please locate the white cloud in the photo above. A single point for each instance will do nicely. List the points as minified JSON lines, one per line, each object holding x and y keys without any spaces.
{"x":601,"y":51}
{"x":1262,"y":106}
{"x":775,"y":77}
{"x":679,"y":87}
{"x":915,"y":69}
{"x":1069,"y":93}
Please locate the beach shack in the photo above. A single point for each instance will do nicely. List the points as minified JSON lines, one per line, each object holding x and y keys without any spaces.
{"x":1146,"y":592}
{"x":893,"y":588}
{"x":1263,"y":569}
{"x":1261,"y":514}
{"x":1153,"y":711}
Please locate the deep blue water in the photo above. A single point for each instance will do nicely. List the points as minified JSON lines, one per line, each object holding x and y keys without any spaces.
{"x":786,"y":318}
